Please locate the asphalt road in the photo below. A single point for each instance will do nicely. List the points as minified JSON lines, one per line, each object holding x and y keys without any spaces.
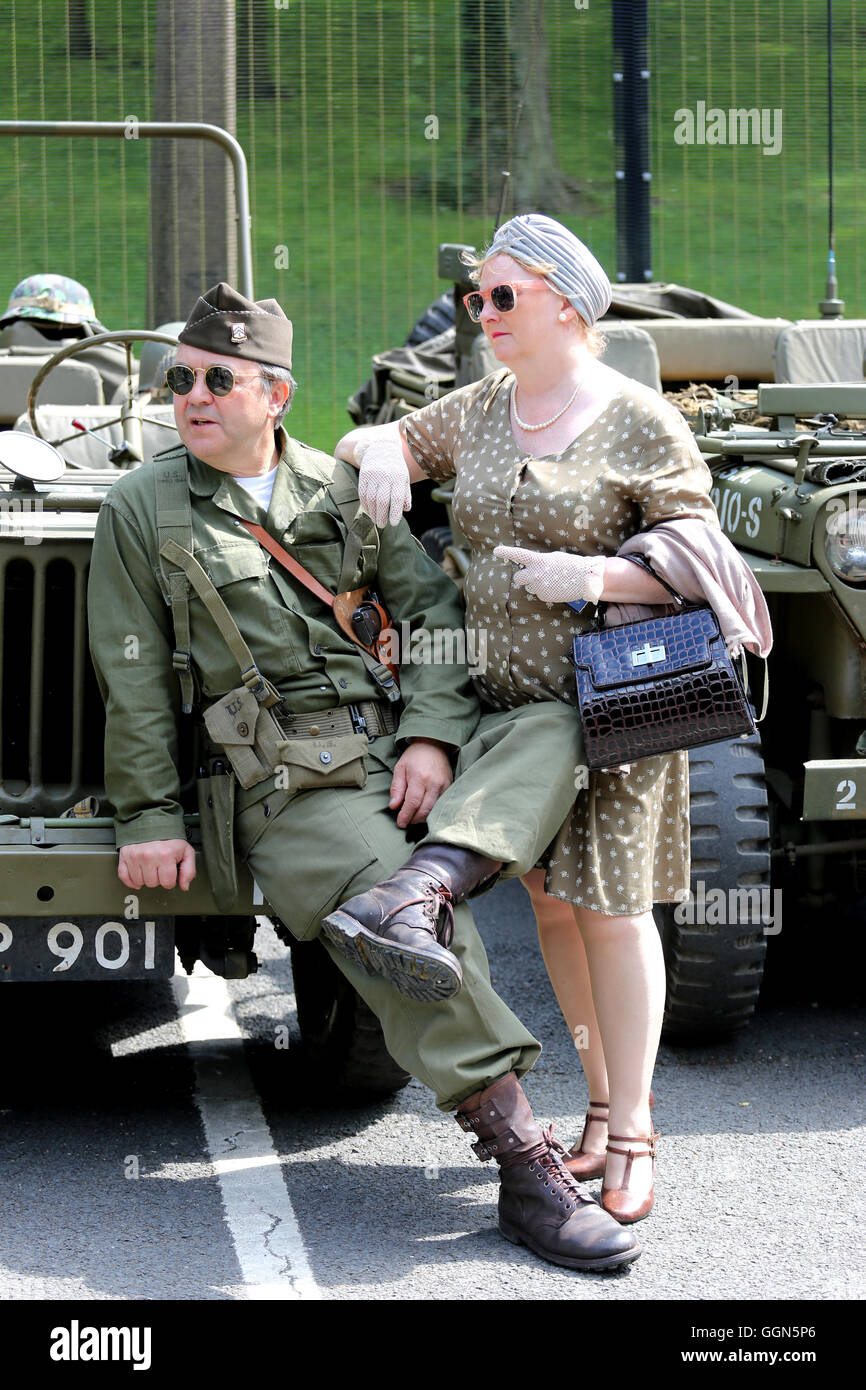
{"x":139,"y":1148}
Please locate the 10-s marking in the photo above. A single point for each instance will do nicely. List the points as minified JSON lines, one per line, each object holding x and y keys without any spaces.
{"x":729,"y":504}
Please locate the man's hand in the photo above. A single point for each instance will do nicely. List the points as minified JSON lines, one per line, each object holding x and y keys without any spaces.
{"x":420,"y":777}
{"x":157,"y":864}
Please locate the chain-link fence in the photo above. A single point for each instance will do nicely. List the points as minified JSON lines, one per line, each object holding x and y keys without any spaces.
{"x":376,"y":129}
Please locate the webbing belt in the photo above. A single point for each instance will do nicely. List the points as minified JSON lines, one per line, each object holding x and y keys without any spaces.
{"x":371,"y":717}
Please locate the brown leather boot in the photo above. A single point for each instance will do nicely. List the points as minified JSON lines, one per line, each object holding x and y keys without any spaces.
{"x":393,"y":928}
{"x":540,"y":1204}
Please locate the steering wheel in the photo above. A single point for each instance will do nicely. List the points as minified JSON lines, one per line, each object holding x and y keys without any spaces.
{"x":130,"y":416}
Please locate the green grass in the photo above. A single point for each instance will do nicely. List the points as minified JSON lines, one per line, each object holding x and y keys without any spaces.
{"x":343,"y":177}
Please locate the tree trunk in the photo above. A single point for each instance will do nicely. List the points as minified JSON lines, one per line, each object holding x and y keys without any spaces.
{"x":254,"y":39}
{"x":508,"y":113}
{"x":193,"y":238}
{"x":537,"y":182}
{"x":80,"y":36}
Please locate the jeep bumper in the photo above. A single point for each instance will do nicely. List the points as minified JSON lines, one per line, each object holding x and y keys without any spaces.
{"x":69,"y":869}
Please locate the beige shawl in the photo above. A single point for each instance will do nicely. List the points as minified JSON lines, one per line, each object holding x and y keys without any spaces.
{"x":701,"y":564}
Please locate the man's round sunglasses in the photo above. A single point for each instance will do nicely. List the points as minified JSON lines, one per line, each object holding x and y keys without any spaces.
{"x":218,"y":380}
{"x":503,"y":297}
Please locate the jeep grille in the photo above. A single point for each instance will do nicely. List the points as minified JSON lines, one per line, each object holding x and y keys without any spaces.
{"x":51,"y":715}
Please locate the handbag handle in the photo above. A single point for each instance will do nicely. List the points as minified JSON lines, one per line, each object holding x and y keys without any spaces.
{"x":644,"y":564}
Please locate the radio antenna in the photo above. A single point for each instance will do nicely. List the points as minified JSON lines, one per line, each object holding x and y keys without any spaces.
{"x":831,"y":306}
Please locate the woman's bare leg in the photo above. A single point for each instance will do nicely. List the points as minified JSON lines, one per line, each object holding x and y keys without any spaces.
{"x":626,"y":967}
{"x":565,"y":957}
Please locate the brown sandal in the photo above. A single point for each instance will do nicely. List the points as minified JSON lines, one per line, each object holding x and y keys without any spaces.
{"x":617,"y":1201}
{"x":585,"y":1164}
{"x":581,"y":1163}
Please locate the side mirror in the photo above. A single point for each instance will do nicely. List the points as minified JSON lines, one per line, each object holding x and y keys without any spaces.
{"x":29,"y":458}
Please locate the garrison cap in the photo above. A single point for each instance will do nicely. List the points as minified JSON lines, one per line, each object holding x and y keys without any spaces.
{"x":224,"y":321}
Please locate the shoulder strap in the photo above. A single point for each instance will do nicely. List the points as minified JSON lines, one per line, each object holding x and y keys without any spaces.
{"x":342,"y":488}
{"x":174,"y":523}
{"x":344,"y":494}
{"x":382,"y":674}
{"x":228,"y":629}
{"x":296,"y":570}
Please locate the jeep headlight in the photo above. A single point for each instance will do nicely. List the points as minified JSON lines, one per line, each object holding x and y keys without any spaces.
{"x":846,"y":544}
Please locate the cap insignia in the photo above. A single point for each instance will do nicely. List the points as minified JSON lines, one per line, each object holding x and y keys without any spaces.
{"x":239,"y":332}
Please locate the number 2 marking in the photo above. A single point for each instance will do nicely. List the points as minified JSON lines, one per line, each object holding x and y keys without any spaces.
{"x":845,"y":792}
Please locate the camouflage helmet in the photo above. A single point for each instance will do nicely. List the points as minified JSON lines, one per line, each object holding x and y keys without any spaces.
{"x":55,"y":298}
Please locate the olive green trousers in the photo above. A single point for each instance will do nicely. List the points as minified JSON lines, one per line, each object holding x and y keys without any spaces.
{"x":514,"y":786}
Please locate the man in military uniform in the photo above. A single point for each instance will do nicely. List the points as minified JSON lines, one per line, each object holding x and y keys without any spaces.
{"x":50,"y":312}
{"x":175,"y":565}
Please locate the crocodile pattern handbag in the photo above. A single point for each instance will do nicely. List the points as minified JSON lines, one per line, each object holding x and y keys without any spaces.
{"x":658,"y":685}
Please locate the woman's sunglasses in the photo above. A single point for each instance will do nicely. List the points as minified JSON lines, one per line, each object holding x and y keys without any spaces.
{"x":503,"y":297}
{"x":218,"y":380}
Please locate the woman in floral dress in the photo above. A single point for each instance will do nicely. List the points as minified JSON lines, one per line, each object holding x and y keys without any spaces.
{"x":557,"y":460}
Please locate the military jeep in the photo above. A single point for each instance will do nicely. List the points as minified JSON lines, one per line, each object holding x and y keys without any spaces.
{"x":779,"y":413}
{"x":66,"y":917}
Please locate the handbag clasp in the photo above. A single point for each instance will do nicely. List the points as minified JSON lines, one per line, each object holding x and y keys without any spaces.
{"x":649,"y":652}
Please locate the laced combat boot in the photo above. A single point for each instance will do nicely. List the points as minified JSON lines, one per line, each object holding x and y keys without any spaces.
{"x":541,"y":1205}
{"x":394,"y":928}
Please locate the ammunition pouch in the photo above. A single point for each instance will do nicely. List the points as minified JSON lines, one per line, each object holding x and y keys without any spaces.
{"x":248,"y":733}
{"x":335,"y":761}
{"x":258,"y":746}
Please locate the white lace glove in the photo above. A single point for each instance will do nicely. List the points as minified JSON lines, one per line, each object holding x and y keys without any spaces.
{"x":383,"y":481}
{"x":554,"y":575}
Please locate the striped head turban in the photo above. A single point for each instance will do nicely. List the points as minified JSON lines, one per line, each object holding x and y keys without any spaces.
{"x":578,"y":275}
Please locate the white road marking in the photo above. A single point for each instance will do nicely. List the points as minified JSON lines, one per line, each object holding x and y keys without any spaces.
{"x":258,"y":1209}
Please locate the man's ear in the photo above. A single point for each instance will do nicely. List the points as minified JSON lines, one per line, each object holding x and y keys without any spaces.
{"x":279,"y":396}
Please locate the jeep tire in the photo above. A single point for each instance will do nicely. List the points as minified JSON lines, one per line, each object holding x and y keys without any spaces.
{"x":342,"y":1036}
{"x":714,"y":968}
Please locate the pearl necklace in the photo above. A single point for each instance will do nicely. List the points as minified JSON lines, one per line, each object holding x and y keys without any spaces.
{"x":544,"y":424}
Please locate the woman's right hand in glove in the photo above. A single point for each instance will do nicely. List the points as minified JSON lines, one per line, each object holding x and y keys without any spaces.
{"x":383,"y":481}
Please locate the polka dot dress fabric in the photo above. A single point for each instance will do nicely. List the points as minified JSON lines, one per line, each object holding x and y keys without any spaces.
{"x":626,"y":842}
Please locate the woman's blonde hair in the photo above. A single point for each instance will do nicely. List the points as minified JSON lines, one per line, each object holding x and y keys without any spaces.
{"x":595,"y":341}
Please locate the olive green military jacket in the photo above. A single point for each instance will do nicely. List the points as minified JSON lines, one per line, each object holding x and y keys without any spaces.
{"x":293,"y":636}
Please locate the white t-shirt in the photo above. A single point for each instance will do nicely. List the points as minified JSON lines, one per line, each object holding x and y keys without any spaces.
{"x":260,"y":487}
